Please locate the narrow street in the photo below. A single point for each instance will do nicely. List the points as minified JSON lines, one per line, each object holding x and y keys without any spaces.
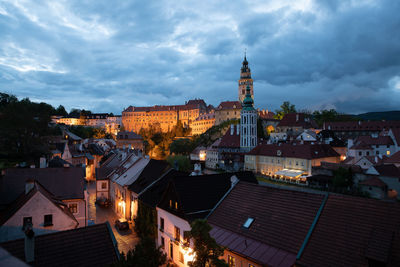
{"x":127,"y":240}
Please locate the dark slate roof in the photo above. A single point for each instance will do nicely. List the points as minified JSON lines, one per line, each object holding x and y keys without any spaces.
{"x":302,"y":151}
{"x":153,"y":170}
{"x":95,"y":149}
{"x":24,"y":198}
{"x":58,"y":162}
{"x":87,"y":246}
{"x":352,"y":229}
{"x":63,"y":183}
{"x":282,"y":219}
{"x":197,"y":195}
{"x":152,"y":195}
{"x":379,"y":140}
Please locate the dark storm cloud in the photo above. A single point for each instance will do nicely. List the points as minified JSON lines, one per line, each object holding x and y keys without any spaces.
{"x":107,"y":55}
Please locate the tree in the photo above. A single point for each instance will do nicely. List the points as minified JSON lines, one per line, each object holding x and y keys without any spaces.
{"x":74,"y":113}
{"x":342,"y":177}
{"x":146,"y":253}
{"x":286,"y":108}
{"x":182,"y":146}
{"x":60,"y":111}
{"x":205,"y":249}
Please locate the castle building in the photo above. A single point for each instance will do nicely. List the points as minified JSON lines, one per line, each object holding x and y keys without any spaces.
{"x":136,"y":118}
{"x":248,"y":123}
{"x":245,"y":80}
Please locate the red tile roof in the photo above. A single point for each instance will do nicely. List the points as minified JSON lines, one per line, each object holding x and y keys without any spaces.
{"x":389,"y":170}
{"x":373,"y":181}
{"x":282,"y":219}
{"x":345,"y":126}
{"x":230,"y":140}
{"x":128,"y":136}
{"x":352,"y":229}
{"x":360,"y":145}
{"x":297,"y":120}
{"x":395,"y":158}
{"x":229,"y":105}
{"x":303,"y":151}
{"x":380,"y":140}
{"x":87,"y":246}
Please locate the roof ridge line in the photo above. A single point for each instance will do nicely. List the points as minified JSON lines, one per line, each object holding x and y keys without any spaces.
{"x":312,"y":227}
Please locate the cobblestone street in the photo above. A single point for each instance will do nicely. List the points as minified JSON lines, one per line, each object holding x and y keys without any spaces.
{"x":126,"y":239}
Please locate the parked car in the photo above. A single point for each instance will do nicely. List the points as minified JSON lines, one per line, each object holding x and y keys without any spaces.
{"x":122,"y":224}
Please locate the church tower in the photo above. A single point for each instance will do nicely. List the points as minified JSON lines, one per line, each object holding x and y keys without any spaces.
{"x":245,"y":80}
{"x":248,"y":123}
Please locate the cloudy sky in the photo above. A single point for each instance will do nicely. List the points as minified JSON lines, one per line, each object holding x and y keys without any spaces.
{"x":105,"y":56}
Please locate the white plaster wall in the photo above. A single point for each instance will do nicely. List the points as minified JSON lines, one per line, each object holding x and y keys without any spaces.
{"x":80,"y":216}
{"x":36,"y":207}
{"x":170,"y":221}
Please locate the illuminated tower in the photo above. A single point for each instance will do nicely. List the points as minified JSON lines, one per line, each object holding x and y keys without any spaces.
{"x":245,"y":80}
{"x":248,"y":123}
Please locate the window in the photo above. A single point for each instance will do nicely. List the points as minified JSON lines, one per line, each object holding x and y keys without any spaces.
{"x":27,"y":221}
{"x":73,"y":208}
{"x":161,"y":224}
{"x":103,"y":185}
{"x":388,"y":152}
{"x":248,"y":222}
{"x":170,"y":203}
{"x":181,"y":257}
{"x":377,"y":152}
{"x":251,"y":265}
{"x":48,"y":220}
{"x":162,"y":242}
{"x":360,"y":153}
{"x":231,"y":261}
{"x":176,"y":205}
{"x":177,"y":234}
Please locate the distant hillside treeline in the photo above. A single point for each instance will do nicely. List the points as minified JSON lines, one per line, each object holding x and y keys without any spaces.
{"x":377,"y":116}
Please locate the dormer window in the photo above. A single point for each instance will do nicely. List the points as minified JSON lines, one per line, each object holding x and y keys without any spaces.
{"x":248,"y":223}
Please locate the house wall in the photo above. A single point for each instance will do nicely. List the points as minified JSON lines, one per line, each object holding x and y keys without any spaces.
{"x":226,"y":114}
{"x":36,"y":207}
{"x":102,"y":192}
{"x":393,"y":183}
{"x":239,"y":260}
{"x":170,"y":221}
{"x":211,"y":159}
{"x":375,"y":192}
{"x":81,"y":214}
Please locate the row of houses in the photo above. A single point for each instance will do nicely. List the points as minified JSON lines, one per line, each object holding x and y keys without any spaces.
{"x":257,"y":225}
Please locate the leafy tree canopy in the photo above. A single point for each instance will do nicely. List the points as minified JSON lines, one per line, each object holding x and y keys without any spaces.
{"x":286,"y":108}
{"x":205,"y":249}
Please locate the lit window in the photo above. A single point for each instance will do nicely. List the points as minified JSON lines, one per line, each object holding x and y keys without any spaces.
{"x":73,"y":208}
{"x":248,"y":222}
{"x":388,"y":152}
{"x":176,"y":205}
{"x":177,"y":233}
{"x":103,"y":185}
{"x":231,"y":261}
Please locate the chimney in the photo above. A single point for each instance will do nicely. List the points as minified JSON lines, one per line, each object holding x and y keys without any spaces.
{"x":29,"y":185}
{"x":42,"y":162}
{"x":29,"y":244}
{"x":297,"y":116}
{"x":232,"y":129}
{"x":234,"y":180}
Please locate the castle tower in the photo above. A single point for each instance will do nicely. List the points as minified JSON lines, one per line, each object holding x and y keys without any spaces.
{"x":248,"y":123}
{"x":245,"y":80}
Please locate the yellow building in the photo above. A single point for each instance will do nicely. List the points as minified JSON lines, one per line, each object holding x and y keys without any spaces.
{"x":136,"y":118}
{"x":202,"y":123}
{"x":227,"y":110}
{"x":245,"y":80}
{"x":70,"y":121}
{"x":289,"y":162}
